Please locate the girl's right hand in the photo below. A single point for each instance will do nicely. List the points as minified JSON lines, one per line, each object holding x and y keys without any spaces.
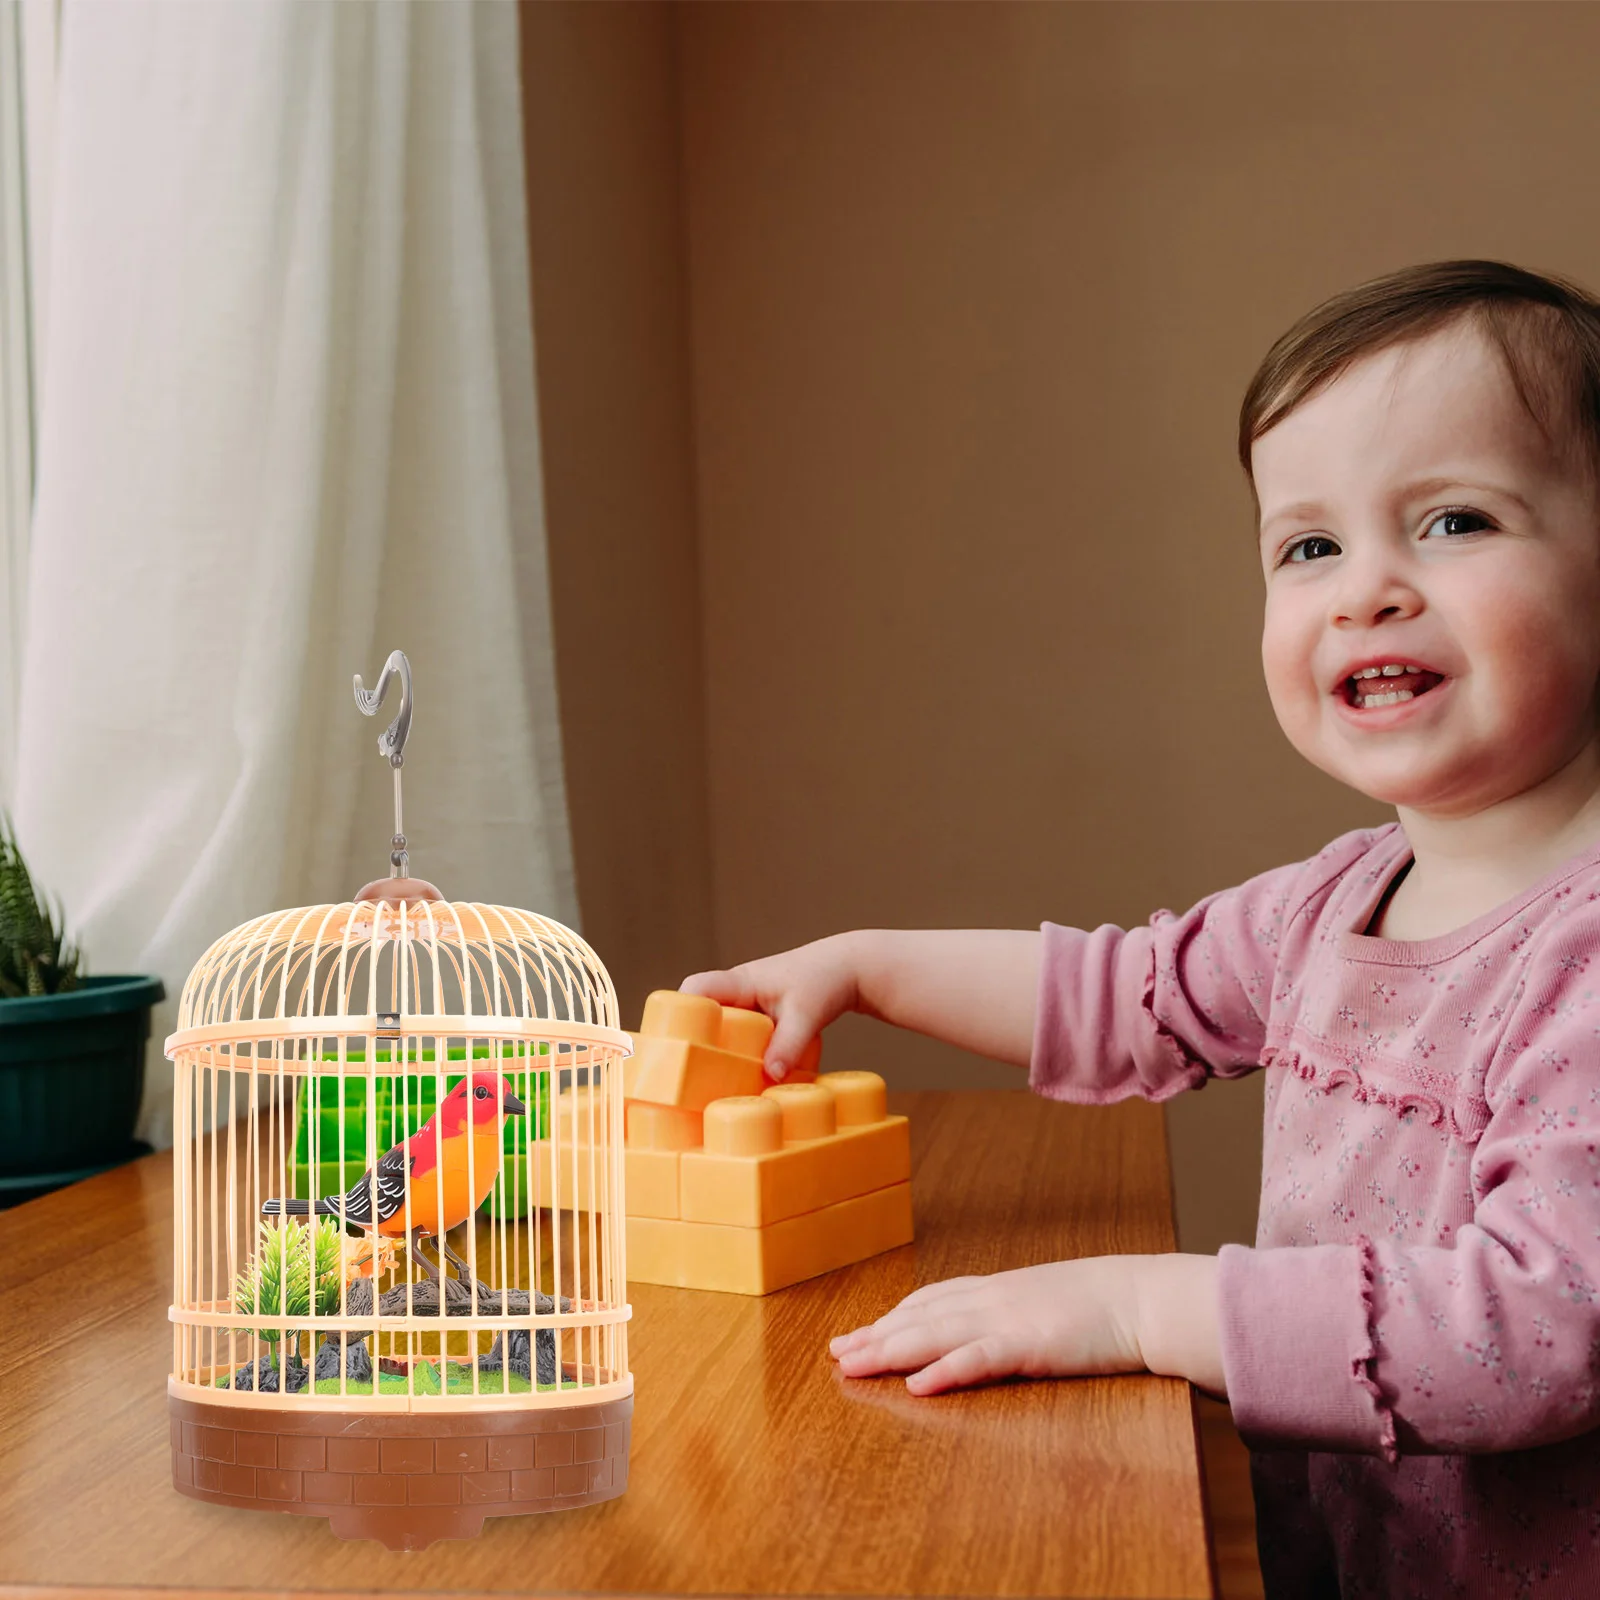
{"x":802,"y":990}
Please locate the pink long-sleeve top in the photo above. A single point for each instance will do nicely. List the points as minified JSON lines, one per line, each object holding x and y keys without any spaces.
{"x":1412,"y":1348}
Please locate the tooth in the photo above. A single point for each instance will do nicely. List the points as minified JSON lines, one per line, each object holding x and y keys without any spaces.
{"x":1413,"y":669}
{"x":1388,"y":697}
{"x":1393,"y":671}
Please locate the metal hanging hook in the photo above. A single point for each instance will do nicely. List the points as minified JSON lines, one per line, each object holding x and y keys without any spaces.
{"x":392,"y":741}
{"x":392,"y":745}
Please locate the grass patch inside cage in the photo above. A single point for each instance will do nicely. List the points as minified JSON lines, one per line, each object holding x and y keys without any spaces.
{"x":424,"y":1380}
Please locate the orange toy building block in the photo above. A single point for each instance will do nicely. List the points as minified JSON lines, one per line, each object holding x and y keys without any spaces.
{"x":564,"y":1171}
{"x":651,"y":1178}
{"x":690,"y":1051}
{"x":713,"y":1255}
{"x":747,"y":1161}
{"x":736,"y":1183}
{"x":799,"y":1180}
{"x":794,"y":1149}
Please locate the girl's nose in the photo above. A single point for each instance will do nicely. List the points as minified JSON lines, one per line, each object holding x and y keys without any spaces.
{"x":1374,"y":585}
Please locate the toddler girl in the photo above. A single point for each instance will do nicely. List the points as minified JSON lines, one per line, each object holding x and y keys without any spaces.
{"x":1412,"y":1349}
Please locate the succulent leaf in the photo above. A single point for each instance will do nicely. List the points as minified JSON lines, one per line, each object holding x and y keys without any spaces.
{"x":35,"y":957}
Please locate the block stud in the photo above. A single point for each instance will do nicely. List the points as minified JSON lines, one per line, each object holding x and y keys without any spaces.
{"x":744,"y":1125}
{"x":807,"y":1110}
{"x":858,"y":1097}
{"x":682,"y":1016}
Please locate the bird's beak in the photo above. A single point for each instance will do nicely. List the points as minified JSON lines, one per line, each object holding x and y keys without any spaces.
{"x":514,"y":1106}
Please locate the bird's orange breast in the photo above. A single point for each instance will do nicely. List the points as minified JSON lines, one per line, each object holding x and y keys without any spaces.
{"x":447,"y":1194}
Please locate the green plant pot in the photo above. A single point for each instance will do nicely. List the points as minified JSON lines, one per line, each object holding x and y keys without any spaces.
{"x":71,"y":1074}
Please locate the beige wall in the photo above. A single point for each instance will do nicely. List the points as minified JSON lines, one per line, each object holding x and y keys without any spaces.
{"x":972,"y":292}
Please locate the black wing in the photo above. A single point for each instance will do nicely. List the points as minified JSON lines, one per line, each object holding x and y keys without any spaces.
{"x":356,"y":1206}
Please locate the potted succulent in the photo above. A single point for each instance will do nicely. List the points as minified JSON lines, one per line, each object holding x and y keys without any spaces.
{"x":71,"y":1046}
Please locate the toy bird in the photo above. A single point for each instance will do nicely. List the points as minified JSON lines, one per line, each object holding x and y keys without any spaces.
{"x":436,"y":1158}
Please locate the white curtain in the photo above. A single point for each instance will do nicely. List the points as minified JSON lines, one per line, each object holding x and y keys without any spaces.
{"x":17,"y":318}
{"x":286,"y":425}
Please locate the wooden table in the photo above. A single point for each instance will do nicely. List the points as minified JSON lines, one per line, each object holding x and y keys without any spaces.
{"x":755,"y":1468}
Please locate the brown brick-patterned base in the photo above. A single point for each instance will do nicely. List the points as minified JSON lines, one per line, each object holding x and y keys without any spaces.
{"x":405,"y":1480}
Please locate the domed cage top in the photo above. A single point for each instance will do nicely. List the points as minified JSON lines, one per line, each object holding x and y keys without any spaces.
{"x":398,"y":1137}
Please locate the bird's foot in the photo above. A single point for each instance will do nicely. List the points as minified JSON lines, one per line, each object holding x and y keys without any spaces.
{"x":416,"y":1237}
{"x":463,"y":1271}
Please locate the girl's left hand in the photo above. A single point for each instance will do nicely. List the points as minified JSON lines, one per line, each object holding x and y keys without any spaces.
{"x":1067,"y":1318}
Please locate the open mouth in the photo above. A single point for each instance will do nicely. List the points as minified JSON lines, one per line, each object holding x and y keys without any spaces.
{"x":1389,"y":685}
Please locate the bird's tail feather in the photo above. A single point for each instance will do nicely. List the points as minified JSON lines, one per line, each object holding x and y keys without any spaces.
{"x":287,"y":1208}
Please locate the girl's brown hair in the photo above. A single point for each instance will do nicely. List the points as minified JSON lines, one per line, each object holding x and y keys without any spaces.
{"x":1546,"y":329}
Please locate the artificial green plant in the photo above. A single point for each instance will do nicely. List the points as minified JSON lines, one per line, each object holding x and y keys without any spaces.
{"x":294,"y":1273}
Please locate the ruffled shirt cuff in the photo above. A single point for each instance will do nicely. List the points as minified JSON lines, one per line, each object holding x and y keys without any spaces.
{"x":1298,"y":1348}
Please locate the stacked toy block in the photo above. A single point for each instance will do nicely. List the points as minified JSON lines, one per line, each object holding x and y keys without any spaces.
{"x":734,"y":1182}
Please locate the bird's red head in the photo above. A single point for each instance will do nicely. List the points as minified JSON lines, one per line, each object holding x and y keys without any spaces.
{"x":487,"y":1094}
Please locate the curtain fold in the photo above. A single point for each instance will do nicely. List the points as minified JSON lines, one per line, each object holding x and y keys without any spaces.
{"x":16,"y":382}
{"x":287,"y":424}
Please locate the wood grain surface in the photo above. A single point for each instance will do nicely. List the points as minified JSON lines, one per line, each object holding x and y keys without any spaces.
{"x":755,"y":1468}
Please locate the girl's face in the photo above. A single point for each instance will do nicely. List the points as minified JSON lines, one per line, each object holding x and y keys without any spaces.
{"x":1415,"y":520}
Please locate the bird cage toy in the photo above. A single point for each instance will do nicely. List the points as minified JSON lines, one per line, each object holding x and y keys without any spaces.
{"x":399,"y":1277}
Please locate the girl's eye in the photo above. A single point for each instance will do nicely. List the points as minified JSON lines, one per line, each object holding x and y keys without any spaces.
{"x":1453,"y":524}
{"x":1313,"y":547}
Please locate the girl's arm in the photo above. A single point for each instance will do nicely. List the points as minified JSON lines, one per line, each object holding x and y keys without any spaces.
{"x":1098,"y":1016}
{"x":1149,"y":1012}
{"x":979,"y":989}
{"x":970,"y":987}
